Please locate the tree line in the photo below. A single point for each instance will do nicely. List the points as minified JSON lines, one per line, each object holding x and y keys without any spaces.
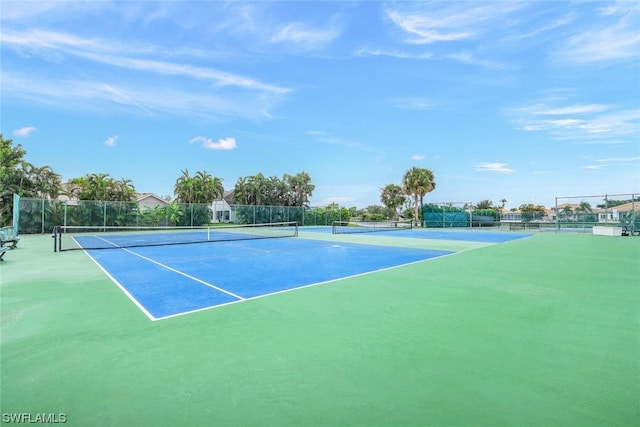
{"x":17,"y":176}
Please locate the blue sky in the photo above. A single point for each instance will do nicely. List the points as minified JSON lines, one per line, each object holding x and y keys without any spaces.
{"x":522,"y":101}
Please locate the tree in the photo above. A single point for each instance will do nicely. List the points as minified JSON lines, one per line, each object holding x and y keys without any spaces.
{"x":100,"y":187}
{"x":584,"y":210}
{"x":184,"y":188}
{"x":392,"y":197}
{"x":46,"y":183}
{"x":174,"y":212}
{"x":301,"y":188}
{"x":418,"y":182}
{"x":200,"y":188}
{"x":21,"y":177}
{"x":10,"y":159}
{"x":209,"y":188}
{"x":566,"y":212}
{"x":258,"y":190}
{"x":485,"y":204}
{"x":531,"y":212}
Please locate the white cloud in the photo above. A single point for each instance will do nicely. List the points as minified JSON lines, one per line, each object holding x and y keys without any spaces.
{"x":617,"y":40}
{"x":142,"y":98}
{"x":210,"y":92}
{"x":469,"y":58}
{"x":573,"y":109}
{"x":582,"y":123}
{"x":111,"y":141}
{"x":494,"y":167}
{"x":365,"y":52}
{"x":620,"y":159}
{"x":417,"y":157}
{"x":446,"y":22}
{"x":24,"y":131}
{"x":412,"y":103}
{"x":304,"y":37}
{"x":426,"y":29}
{"x":221,"y":144}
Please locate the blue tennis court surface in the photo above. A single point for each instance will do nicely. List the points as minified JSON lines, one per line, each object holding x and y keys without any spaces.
{"x":166,"y":281}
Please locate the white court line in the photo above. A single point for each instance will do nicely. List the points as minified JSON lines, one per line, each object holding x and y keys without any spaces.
{"x":175,"y":271}
{"x":184,"y":274}
{"x":123,"y":289}
{"x":136,"y":302}
{"x":302,"y":287}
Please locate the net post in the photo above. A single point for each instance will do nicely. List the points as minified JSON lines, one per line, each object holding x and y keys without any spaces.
{"x":16,"y":213}
{"x":55,"y":238}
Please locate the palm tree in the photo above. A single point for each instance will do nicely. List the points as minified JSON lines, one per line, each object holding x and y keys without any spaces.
{"x":301,"y":187}
{"x":184,"y":188}
{"x":392,"y":197}
{"x":47,"y":183}
{"x":584,"y":208}
{"x":201,"y":188}
{"x":124,"y":190}
{"x":207,"y":187}
{"x":418,"y":182}
{"x":566,"y":212}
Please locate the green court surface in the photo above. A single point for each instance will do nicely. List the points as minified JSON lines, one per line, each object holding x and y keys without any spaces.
{"x":542,"y":331}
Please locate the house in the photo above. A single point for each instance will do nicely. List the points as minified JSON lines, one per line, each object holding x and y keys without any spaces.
{"x":222,"y":209}
{"x":617,"y":214}
{"x":564,"y":211}
{"x":149,"y":200}
{"x":614,"y":214}
{"x":511,"y":216}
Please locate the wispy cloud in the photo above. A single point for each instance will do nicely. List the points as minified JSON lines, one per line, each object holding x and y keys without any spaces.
{"x":617,"y":37}
{"x":221,"y":144}
{"x":493,"y":167}
{"x":325,"y":138}
{"x":558,"y":23}
{"x":579,"y":122}
{"x":571,"y":109}
{"x":428,"y":23}
{"x":128,"y":57}
{"x":111,"y":141}
{"x":411,"y":103}
{"x":425,"y":29}
{"x":24,"y":131}
{"x":469,"y":58}
{"x":417,"y":157}
{"x":366,"y":52}
{"x":142,"y":98}
{"x":304,"y":37}
{"x":205,"y":91}
{"x":620,"y":159}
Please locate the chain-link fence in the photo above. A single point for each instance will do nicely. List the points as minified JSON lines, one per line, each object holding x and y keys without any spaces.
{"x":458,"y":214}
{"x":41,"y":215}
{"x":582,"y":213}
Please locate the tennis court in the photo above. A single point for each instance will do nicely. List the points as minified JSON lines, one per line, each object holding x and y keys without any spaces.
{"x":397,"y":329}
{"x":165,"y":281}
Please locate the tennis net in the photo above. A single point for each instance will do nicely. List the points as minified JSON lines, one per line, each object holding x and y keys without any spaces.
{"x":87,"y":237}
{"x":346,"y":227}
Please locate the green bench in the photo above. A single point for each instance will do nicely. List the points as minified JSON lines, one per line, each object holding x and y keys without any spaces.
{"x":8,"y":238}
